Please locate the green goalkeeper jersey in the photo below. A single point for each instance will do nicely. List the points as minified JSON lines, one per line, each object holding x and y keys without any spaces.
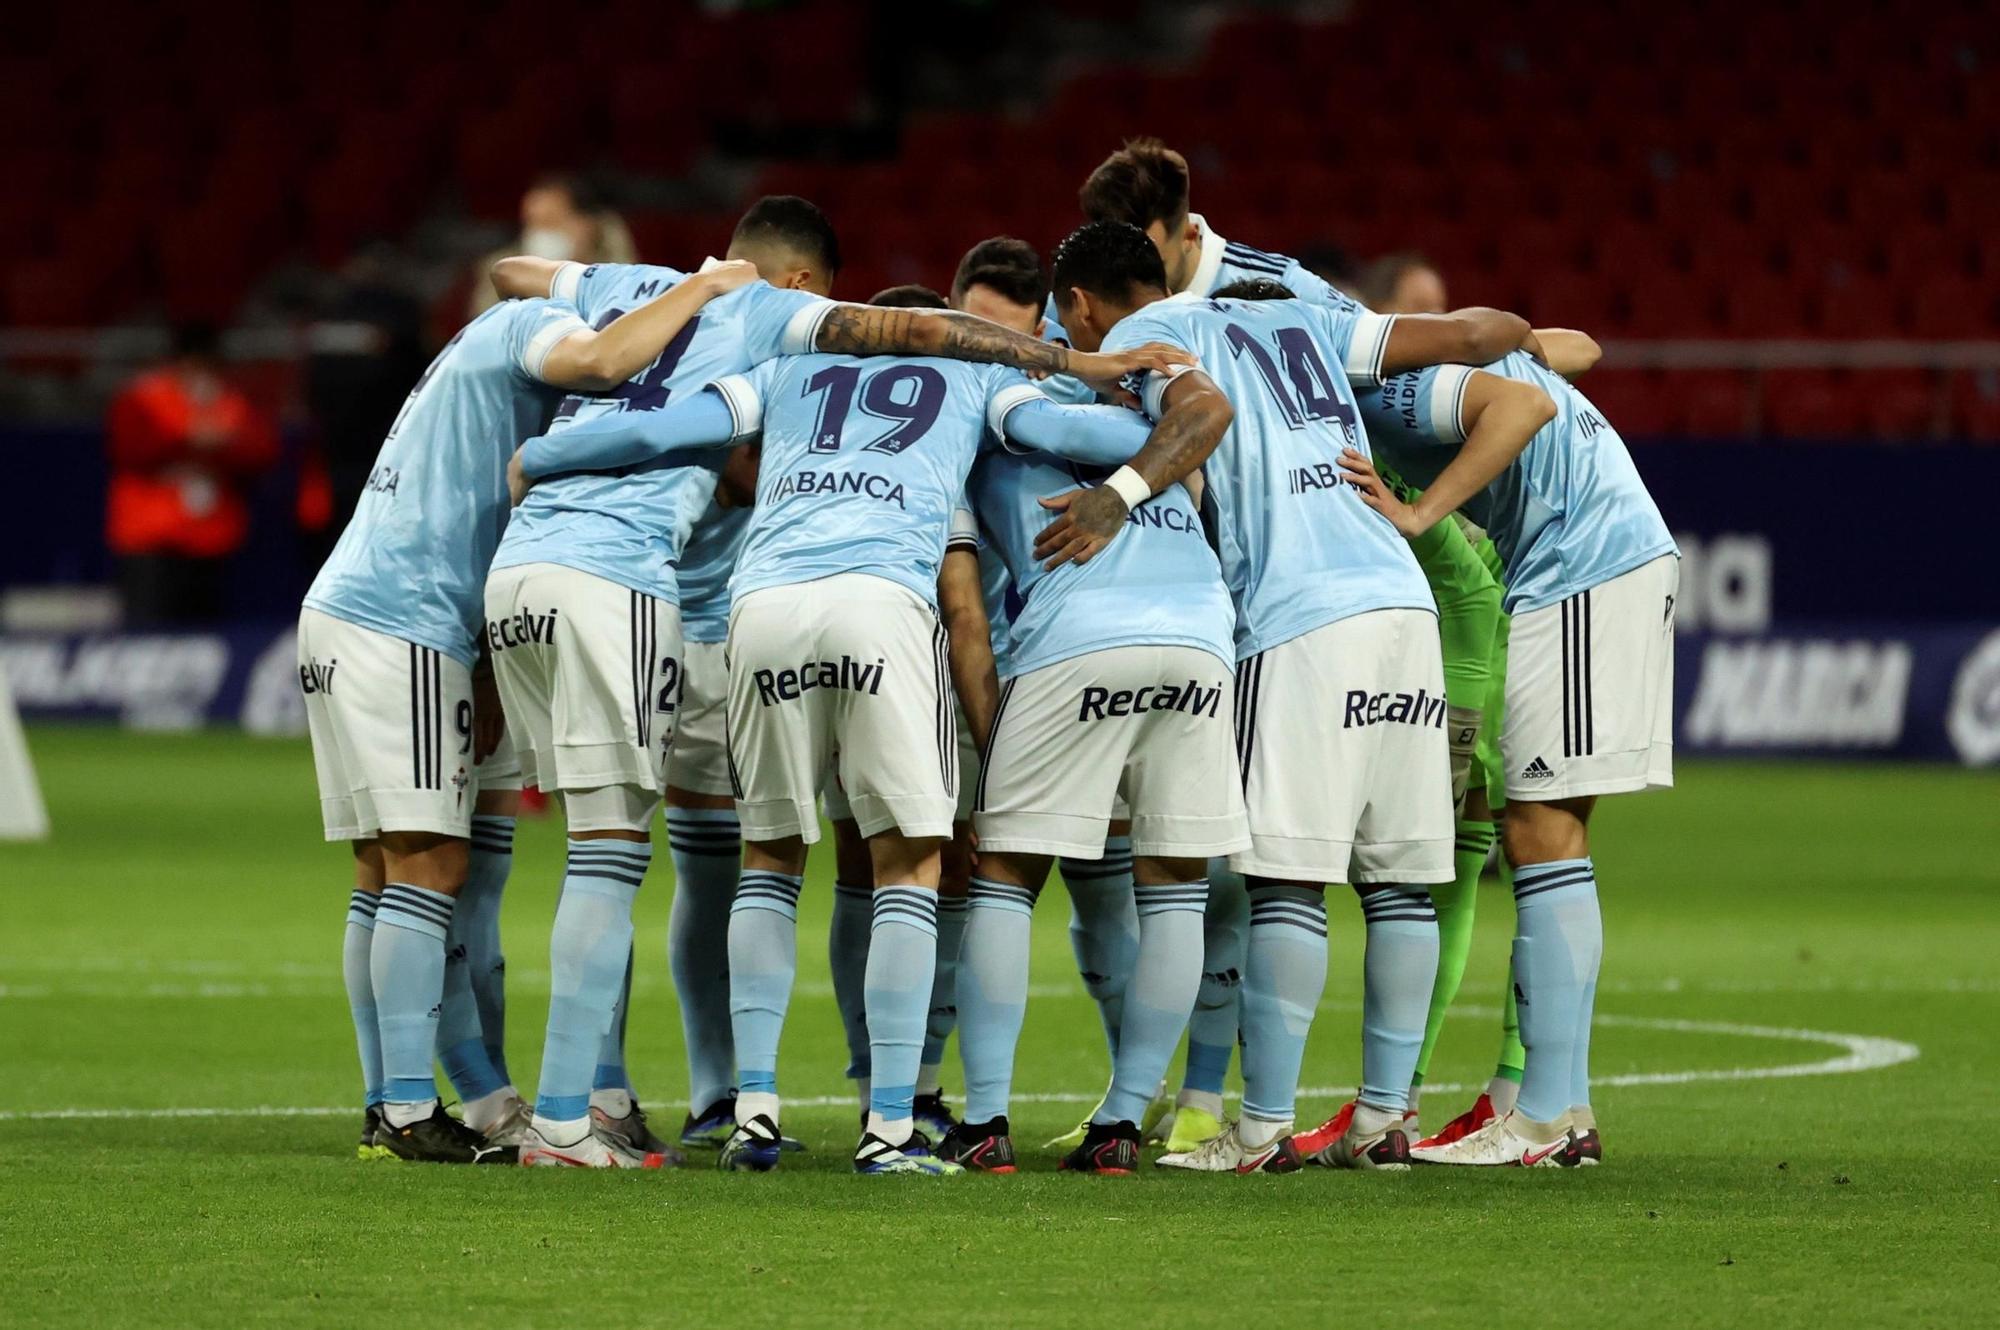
{"x":1468,"y":593}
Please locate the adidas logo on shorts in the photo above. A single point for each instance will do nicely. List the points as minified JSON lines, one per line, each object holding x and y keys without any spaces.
{"x":1537,"y":770}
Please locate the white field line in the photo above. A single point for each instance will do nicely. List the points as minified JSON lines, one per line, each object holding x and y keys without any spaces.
{"x":38,"y":977}
{"x":1857,"y":1053}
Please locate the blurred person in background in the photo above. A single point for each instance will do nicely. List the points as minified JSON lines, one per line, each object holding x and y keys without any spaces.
{"x":367,"y":348}
{"x":184,"y":447}
{"x":1404,"y":283}
{"x":562,"y":218}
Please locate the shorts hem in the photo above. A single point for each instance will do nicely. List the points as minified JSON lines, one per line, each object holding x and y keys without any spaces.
{"x":777,"y":819}
{"x":460,"y":829}
{"x":1068,"y":849}
{"x":1208,"y":849}
{"x":1041,"y":833}
{"x":1590,"y":789}
{"x":914,"y":815}
{"x":1248,"y":863}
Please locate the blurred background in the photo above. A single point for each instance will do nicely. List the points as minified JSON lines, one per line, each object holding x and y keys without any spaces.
{"x":232,"y":238}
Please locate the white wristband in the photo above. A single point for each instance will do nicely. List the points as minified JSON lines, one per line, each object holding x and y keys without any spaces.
{"x":1130,"y":486}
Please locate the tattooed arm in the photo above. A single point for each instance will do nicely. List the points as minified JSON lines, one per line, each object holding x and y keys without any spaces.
{"x":872,"y":330}
{"x":1195,"y":418}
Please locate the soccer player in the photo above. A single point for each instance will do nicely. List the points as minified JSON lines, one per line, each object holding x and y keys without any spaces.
{"x":1146,"y":184}
{"x":840,"y":566}
{"x":847,"y":942}
{"x":612,"y":553}
{"x":1116,"y":683}
{"x":1003,"y":279}
{"x":1340,"y":705}
{"x":1591,"y":574}
{"x":584,"y":625}
{"x":399,"y":704}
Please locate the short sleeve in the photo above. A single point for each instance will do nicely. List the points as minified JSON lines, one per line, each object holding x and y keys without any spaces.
{"x":536,"y":327}
{"x":569,"y":280}
{"x":964,"y":534}
{"x":1442,"y":396}
{"x":1151,"y":387}
{"x":780,"y":323}
{"x":744,"y":395}
{"x":1360,"y":339}
{"x":1421,"y":407}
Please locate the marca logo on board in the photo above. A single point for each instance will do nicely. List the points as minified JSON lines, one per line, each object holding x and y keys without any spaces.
{"x":1792,"y":693}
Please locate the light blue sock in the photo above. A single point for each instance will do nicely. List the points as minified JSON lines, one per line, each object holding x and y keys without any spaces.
{"x":461,"y":1045}
{"x":763,"y":960}
{"x":1284,"y":975}
{"x":902,"y":962}
{"x":1104,"y":928}
{"x":406,"y":970}
{"x":1558,"y":942}
{"x":1579,"y":1061}
{"x":847,"y":955}
{"x":1397,"y":974}
{"x":943,"y":1017}
{"x":356,"y":944}
{"x":992,"y":992}
{"x":611,"y":1073}
{"x":1218,"y":1006}
{"x":588,"y":949}
{"x":477,"y":921}
{"x":707,"y":847}
{"x":1166,"y":975}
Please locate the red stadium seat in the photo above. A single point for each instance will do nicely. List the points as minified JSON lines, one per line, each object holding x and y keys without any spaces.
{"x":1975,"y":404}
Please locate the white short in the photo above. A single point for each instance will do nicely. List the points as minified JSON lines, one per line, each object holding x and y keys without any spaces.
{"x":590,"y":674}
{"x":1152,"y":723}
{"x":700,"y":761}
{"x":1590,"y":689}
{"x":1340,"y":736}
{"x":834,"y":799}
{"x":849,"y":664}
{"x":391,"y":727}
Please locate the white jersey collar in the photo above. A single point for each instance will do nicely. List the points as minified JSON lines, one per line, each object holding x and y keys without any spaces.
{"x":1210,"y":265}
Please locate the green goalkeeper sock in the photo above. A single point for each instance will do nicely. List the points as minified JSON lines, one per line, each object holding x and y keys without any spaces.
{"x":1455,"y":914}
{"x":1506,"y":1082}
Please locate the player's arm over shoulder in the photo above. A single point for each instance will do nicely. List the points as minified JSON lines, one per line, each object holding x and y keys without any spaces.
{"x":1473,"y":336}
{"x":595,"y":360}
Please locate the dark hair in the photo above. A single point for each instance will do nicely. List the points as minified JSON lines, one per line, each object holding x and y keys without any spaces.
{"x":1143,"y":182}
{"x":795,"y":223}
{"x":1380,"y":278}
{"x":909,"y":296}
{"x":1108,"y":259}
{"x":1255,"y":288}
{"x":1009,"y":266}
{"x":1330,"y":261}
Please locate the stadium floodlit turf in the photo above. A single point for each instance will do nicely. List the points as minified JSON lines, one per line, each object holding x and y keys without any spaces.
{"x":176,"y":947}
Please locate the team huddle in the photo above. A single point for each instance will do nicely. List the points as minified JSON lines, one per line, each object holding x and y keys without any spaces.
{"x":1168,"y":562}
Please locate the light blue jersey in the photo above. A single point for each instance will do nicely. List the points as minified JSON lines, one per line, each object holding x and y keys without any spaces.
{"x":412,"y":562}
{"x":706,"y":566}
{"x":1224,"y":262}
{"x":1062,"y":387}
{"x":864,"y":460}
{"x":1157,"y":584}
{"x":632,"y":527}
{"x":1568,"y":514}
{"x":1299,"y":548}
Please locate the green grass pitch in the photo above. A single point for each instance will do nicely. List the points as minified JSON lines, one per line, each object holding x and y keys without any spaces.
{"x":177,"y":947}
